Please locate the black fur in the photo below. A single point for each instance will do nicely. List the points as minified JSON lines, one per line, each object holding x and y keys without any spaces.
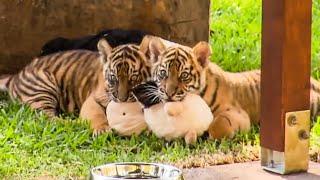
{"x":115,"y":37}
{"x":146,"y":94}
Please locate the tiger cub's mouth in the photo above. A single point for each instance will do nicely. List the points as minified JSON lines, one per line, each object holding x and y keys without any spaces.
{"x":172,"y":99}
{"x":130,"y":98}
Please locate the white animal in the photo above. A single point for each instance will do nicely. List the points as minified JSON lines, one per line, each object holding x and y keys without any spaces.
{"x":189,"y":118}
{"x":126,"y":118}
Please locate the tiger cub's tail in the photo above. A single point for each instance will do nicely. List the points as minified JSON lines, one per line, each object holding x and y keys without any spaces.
{"x":4,"y":82}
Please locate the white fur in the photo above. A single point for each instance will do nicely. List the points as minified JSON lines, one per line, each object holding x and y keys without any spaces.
{"x":175,"y":119}
{"x":126,"y":118}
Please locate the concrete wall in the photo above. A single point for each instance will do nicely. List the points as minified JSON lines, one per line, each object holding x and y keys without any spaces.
{"x":25,"y":25}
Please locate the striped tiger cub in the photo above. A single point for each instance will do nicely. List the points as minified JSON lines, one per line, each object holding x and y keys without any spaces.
{"x":80,"y":80}
{"x":234,"y":98}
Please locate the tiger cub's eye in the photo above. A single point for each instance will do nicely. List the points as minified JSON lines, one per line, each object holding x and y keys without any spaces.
{"x":185,"y":76}
{"x":112,"y":79}
{"x":162,"y":74}
{"x":134,"y":78}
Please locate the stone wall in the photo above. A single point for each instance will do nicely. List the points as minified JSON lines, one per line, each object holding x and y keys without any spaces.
{"x":25,"y":25}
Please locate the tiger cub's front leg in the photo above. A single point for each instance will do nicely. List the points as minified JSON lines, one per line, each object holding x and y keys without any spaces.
{"x":93,"y":111}
{"x":227,"y":122}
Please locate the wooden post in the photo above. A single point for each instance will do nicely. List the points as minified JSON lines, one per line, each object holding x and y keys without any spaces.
{"x":285,"y":83}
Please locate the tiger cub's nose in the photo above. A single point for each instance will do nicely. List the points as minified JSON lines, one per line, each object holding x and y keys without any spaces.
{"x":123,"y":97}
{"x":170,"y":93}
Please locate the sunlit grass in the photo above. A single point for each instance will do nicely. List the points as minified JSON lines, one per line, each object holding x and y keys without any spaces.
{"x":31,"y":145}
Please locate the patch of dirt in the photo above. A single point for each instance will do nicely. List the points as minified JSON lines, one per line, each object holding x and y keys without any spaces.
{"x":204,"y":159}
{"x":248,"y":154}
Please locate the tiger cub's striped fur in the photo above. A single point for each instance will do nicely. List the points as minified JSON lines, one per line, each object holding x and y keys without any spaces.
{"x":234,"y":98}
{"x":60,"y":82}
{"x":80,"y":80}
{"x":124,"y":67}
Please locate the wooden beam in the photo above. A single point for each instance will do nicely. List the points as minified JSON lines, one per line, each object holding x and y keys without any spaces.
{"x":286,"y":49}
{"x":285,"y":76}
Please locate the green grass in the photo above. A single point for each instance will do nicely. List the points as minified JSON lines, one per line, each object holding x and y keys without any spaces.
{"x":316,"y":39}
{"x":236,"y":34}
{"x":33,"y":146}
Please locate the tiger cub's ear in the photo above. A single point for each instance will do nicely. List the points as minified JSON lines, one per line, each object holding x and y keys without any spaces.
{"x":202,"y":52}
{"x":104,"y":48}
{"x":152,"y":47}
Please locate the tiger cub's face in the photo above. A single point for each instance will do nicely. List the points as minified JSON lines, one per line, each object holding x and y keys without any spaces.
{"x":178,"y":69}
{"x":124,"y":67}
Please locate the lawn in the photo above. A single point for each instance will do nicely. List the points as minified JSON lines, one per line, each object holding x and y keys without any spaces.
{"x":33,"y":146}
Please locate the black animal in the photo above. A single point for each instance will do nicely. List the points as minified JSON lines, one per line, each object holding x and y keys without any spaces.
{"x":115,"y":37}
{"x":146,"y":93}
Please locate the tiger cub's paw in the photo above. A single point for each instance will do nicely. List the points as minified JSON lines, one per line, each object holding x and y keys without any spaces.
{"x":100,"y":130}
{"x":190,"y":137}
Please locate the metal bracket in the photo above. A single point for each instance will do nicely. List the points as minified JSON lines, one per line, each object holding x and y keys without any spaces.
{"x":295,"y":157}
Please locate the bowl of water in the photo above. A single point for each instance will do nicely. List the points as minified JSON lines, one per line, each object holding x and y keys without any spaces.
{"x":135,"y":170}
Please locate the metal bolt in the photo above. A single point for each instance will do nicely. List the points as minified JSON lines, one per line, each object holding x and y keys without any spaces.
{"x":272,"y":164}
{"x":292,"y":120}
{"x":303,"y":135}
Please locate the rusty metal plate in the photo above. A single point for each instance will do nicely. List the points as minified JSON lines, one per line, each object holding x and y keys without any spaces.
{"x":295,"y":157}
{"x":297,"y":133}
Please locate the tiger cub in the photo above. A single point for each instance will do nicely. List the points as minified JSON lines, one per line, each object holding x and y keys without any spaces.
{"x":234,"y":98}
{"x":80,"y":80}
